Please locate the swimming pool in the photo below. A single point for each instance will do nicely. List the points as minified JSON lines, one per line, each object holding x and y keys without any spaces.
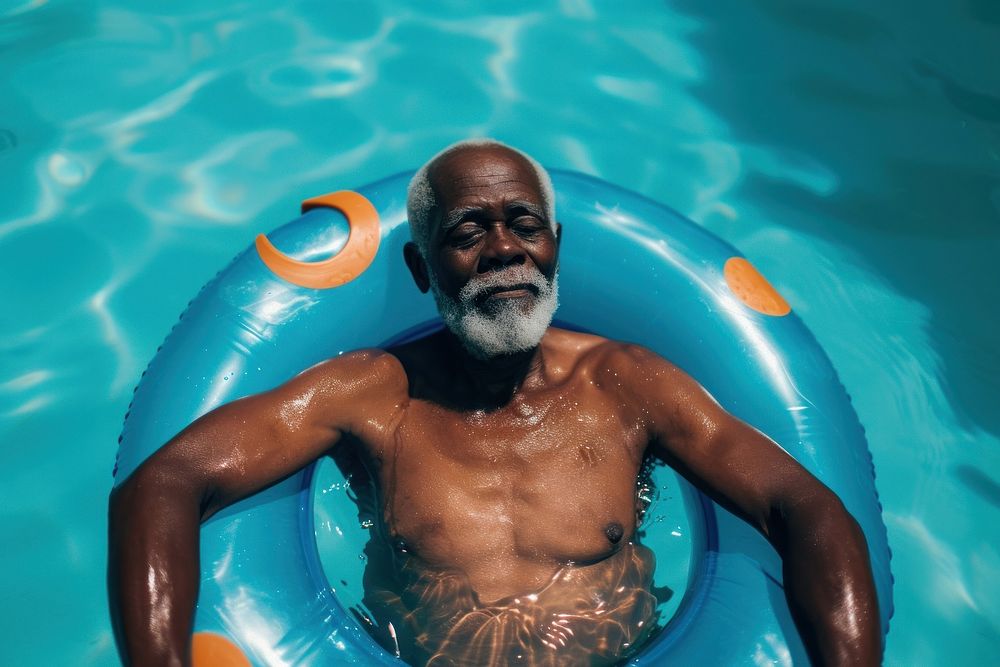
{"x":852,"y":153}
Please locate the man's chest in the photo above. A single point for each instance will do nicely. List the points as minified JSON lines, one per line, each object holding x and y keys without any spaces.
{"x":545,"y":477}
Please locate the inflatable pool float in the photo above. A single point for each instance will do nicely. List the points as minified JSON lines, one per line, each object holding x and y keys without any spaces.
{"x":631,"y":269}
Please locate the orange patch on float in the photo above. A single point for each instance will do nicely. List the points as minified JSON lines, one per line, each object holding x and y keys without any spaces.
{"x":352,"y":260}
{"x":211,"y":650}
{"x":752,"y":288}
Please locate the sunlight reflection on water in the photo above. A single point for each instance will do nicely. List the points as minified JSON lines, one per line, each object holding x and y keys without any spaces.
{"x":140,"y":151}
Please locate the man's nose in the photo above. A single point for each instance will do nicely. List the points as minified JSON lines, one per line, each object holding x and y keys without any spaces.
{"x":501,"y":250}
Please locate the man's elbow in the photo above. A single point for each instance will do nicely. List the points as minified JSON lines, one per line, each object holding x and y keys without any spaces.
{"x":159,"y":485}
{"x":819,"y":515}
{"x":828,"y":581}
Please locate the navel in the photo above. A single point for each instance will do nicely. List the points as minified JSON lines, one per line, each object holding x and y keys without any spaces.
{"x":614,"y":531}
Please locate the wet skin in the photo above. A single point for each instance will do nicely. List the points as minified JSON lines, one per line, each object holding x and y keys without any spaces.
{"x":509,"y":474}
{"x":493,"y":490}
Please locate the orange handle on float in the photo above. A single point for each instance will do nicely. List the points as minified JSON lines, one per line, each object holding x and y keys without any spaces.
{"x":352,"y":260}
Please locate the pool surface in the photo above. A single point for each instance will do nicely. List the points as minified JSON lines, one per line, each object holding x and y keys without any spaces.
{"x":852,"y":152}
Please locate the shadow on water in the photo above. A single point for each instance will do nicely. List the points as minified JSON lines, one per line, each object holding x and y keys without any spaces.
{"x":979,"y":483}
{"x":987,"y":11}
{"x":8,"y":140}
{"x":977,"y":104}
{"x":911,"y":132}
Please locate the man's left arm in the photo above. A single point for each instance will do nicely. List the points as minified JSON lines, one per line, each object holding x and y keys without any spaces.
{"x":827,"y":572}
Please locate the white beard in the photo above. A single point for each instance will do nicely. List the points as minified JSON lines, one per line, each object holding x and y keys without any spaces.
{"x":508,"y":325}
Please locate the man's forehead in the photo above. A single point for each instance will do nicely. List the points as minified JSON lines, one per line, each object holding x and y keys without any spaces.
{"x":483,"y":170}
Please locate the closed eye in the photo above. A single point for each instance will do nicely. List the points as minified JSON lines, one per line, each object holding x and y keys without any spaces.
{"x":464,"y":234}
{"x":519,"y":209}
{"x":527,"y":225}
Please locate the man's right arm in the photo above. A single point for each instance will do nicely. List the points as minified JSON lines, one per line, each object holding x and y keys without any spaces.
{"x":226,"y":455}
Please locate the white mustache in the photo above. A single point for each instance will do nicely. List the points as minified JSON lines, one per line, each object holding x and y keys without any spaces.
{"x":503,"y":279}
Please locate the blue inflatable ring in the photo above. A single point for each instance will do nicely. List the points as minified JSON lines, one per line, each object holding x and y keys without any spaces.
{"x":631,"y":269}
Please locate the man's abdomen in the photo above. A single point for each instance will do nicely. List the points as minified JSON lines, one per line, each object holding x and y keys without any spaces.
{"x":583,"y":615}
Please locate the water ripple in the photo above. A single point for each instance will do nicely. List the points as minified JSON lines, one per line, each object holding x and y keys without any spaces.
{"x":849,"y":151}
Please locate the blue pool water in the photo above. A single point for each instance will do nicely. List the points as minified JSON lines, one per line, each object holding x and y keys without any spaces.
{"x":851,"y":151}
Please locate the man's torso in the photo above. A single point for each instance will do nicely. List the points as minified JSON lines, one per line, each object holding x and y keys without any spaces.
{"x":534,"y":497}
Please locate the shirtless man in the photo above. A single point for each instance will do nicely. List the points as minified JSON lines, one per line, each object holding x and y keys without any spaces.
{"x":506,"y":454}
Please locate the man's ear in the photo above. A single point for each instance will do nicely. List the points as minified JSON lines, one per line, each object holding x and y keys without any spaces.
{"x":558,"y":233}
{"x":418,"y":267}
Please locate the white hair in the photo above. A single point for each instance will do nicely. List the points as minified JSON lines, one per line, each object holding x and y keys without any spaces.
{"x":420,"y":198}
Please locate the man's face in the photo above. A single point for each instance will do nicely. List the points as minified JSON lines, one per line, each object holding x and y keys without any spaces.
{"x":492,"y":251}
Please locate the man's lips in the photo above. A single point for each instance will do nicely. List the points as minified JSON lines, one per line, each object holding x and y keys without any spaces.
{"x":510,"y":294}
{"x":516,"y":291}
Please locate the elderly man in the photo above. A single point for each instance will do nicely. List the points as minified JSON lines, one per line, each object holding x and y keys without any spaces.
{"x":506,"y":453}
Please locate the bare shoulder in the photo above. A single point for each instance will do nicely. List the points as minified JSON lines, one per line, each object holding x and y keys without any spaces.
{"x":631,"y":368}
{"x":604,"y":357}
{"x":647,"y":380}
{"x":567,"y":341}
{"x":571,"y":352}
{"x":361,"y":376}
{"x":366,"y":365}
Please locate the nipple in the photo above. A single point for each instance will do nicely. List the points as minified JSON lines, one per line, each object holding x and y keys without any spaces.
{"x":614,"y":531}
